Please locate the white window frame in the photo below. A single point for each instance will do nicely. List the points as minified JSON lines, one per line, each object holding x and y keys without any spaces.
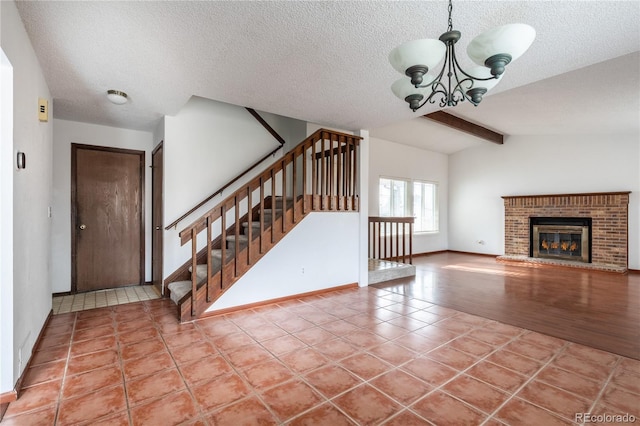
{"x":409,"y":197}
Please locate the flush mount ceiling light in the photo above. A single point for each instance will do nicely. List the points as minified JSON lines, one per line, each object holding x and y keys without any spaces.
{"x":117,"y":97}
{"x":492,"y":51}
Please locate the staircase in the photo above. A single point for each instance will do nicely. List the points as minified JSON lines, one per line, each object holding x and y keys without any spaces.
{"x":320,"y":174}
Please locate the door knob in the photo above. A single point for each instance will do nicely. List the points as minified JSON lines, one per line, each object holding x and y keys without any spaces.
{"x":83,"y":226}
{"x":157,"y":228}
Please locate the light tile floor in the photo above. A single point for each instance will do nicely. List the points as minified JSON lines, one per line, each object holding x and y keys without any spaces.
{"x":102,"y":298}
{"x":360,"y":356}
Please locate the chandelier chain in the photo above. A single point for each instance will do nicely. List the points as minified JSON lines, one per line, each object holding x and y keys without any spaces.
{"x":450,"y":20}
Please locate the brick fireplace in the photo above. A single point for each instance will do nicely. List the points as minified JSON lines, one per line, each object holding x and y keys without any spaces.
{"x":607,"y":213}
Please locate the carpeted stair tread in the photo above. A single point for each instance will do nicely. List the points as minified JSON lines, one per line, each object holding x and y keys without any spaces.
{"x":242,"y":238}
{"x":179,"y":289}
{"x":217,"y":253}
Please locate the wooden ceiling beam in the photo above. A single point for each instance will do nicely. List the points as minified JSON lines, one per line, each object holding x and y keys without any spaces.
{"x":465,"y":126}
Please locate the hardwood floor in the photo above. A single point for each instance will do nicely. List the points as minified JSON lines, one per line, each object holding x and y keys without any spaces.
{"x":597,"y":309}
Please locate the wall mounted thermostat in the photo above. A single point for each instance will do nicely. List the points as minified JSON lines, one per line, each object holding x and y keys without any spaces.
{"x":43,"y":110}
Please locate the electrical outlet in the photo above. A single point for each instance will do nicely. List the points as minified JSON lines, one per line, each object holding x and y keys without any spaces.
{"x":302,"y":271}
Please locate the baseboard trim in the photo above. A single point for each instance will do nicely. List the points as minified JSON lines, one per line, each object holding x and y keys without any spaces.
{"x":62,"y":293}
{"x":277,"y":300}
{"x":18,"y":387}
{"x":429,"y":253}
{"x":473,"y":253}
{"x":3,"y":408}
{"x":454,"y":251}
{"x":5,"y":399}
{"x":8,"y":397}
{"x":633,"y":271}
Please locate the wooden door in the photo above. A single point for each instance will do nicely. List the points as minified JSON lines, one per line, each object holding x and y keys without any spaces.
{"x":156,"y":218}
{"x":107,"y":219}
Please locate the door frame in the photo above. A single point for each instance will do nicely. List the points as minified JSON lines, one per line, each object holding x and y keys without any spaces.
{"x":157,"y":236}
{"x":74,"y":213}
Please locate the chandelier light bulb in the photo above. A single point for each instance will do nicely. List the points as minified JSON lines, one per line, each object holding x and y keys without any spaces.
{"x":415,"y":58}
{"x":511,"y":39}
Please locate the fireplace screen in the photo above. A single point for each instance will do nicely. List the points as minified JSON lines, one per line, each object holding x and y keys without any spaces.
{"x":569,"y":241}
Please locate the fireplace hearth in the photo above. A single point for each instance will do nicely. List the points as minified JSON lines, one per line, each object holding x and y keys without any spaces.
{"x":563,"y":238}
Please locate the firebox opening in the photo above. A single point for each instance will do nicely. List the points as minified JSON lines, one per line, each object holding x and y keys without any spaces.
{"x":560,"y":238}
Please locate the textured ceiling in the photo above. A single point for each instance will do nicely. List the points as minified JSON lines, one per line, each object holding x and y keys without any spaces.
{"x":599,"y":99}
{"x":324,"y":62}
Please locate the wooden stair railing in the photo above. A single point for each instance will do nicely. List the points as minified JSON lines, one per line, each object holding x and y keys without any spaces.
{"x":320,"y":174}
{"x":386,"y":233}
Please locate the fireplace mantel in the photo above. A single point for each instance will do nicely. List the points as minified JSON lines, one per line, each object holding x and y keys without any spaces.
{"x":608,"y":211}
{"x":522,"y":198}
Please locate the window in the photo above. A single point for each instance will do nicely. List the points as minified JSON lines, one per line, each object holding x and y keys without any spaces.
{"x":404,"y":197}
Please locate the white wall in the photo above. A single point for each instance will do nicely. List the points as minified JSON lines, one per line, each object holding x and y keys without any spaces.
{"x":320,"y":252}
{"x":31,"y":285}
{"x":206,"y":145}
{"x":389,"y":159}
{"x":64,"y":134}
{"x":6,"y":222}
{"x":525,"y":165}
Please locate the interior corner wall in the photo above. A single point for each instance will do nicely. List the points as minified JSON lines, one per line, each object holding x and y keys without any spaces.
{"x":207,"y":144}
{"x":526,"y":165}
{"x":364,"y":164}
{"x":390,"y":159}
{"x":31,"y":285}
{"x":158,"y":133}
{"x":64,"y":134}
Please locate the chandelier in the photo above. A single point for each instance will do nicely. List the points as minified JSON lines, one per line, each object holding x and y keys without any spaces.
{"x":491,"y":50}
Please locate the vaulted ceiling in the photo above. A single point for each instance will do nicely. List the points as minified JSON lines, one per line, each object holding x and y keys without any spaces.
{"x":326,"y":62}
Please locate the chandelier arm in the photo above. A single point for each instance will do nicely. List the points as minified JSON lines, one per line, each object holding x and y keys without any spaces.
{"x":431,"y":99}
{"x":472,"y":93}
{"x":443,"y":89}
{"x":450,"y":73}
{"x":438,"y":77}
{"x":457,"y":65}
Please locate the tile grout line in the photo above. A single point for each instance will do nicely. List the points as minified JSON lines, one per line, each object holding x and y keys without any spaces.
{"x":66,"y":367}
{"x":363,"y":349}
{"x":531,"y":378}
{"x":237,"y":371}
{"x":490,"y":415}
{"x":606,"y":383}
{"x":462,"y":372}
{"x":405,"y":407}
